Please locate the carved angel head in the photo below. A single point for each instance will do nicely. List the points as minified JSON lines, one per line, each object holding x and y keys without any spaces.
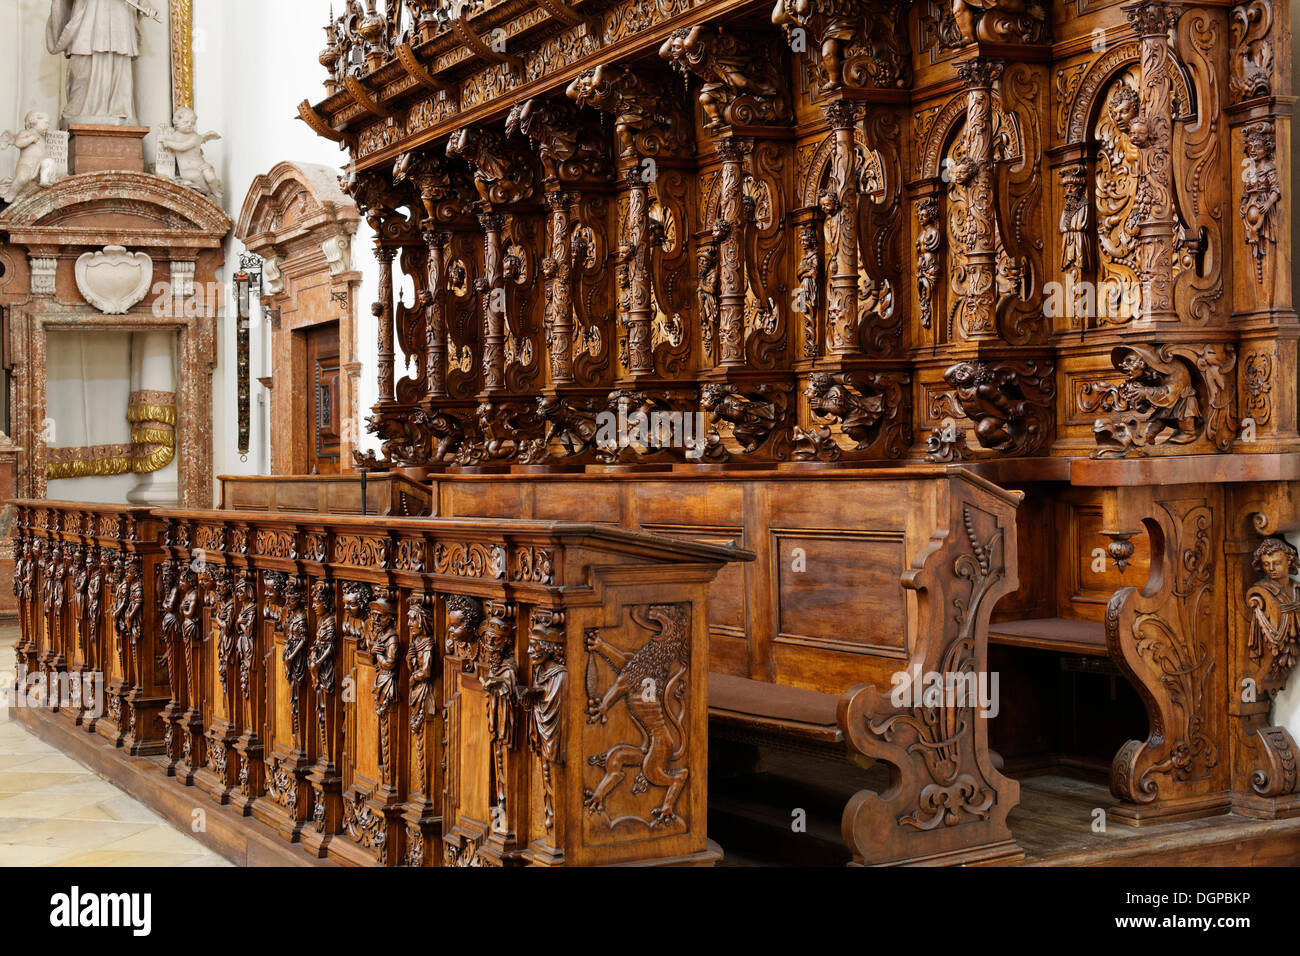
{"x":1276,"y":560}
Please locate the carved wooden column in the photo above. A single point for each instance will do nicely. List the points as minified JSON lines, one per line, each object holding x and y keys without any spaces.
{"x":730,"y":230}
{"x":383,"y":311}
{"x":436,"y":317}
{"x":977,"y":291}
{"x":492,"y":292}
{"x":636,"y":255}
{"x":840,"y":206}
{"x":1153,"y":135}
{"x":559,"y":309}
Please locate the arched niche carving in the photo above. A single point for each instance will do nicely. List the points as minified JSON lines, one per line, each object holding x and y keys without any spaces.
{"x":183,"y":233}
{"x":301,"y":223}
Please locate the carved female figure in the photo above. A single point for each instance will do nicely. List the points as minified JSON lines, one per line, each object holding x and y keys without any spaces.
{"x":169,"y":628}
{"x":1274,"y":606}
{"x":1262,"y":193}
{"x":928,"y":243}
{"x":707,"y":291}
{"x":294,"y":654}
{"x":808,"y":274}
{"x":246,"y":625}
{"x":321,"y":662}
{"x":94,"y":596}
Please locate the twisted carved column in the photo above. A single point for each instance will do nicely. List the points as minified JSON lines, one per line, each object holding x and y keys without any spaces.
{"x":840,"y":204}
{"x":1153,"y":136}
{"x":492,"y":290}
{"x":730,"y":230}
{"x":435,"y":319}
{"x":977,"y":307}
{"x":384,"y":313}
{"x":559,"y":308}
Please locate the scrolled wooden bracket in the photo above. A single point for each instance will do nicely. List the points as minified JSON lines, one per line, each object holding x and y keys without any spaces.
{"x":1166,"y":639}
{"x":415,"y":69}
{"x":481,"y":49}
{"x":321,"y":128}
{"x":363,"y":98}
{"x":946,"y":803}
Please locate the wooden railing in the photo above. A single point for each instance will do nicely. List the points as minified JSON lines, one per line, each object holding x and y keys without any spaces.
{"x":417,"y":692}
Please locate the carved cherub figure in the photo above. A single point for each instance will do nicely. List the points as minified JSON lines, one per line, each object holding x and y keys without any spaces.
{"x":36,"y":168}
{"x":1273,"y":603}
{"x":186,"y":144}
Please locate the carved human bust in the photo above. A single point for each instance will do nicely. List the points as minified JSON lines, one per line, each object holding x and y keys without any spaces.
{"x":1273,"y":603}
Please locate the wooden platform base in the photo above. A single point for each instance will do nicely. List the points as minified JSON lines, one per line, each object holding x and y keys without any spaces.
{"x":1054,"y":824}
{"x":242,"y":840}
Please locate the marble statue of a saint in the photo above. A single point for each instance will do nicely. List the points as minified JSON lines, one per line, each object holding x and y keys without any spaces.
{"x":101,"y":39}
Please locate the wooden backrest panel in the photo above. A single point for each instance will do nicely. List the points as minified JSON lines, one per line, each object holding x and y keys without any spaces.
{"x":821,"y":608}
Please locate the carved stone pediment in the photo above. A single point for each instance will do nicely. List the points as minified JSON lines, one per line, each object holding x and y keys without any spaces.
{"x":114,"y":280}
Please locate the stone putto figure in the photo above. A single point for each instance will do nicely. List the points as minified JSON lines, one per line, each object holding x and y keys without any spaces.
{"x":186,"y":144}
{"x":101,"y":39}
{"x":36,"y":168}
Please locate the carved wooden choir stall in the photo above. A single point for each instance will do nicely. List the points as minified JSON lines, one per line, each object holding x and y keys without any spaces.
{"x":954,"y":338}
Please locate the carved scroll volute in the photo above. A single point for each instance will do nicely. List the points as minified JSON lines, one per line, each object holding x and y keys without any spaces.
{"x":975,"y":287}
{"x":840,"y":31}
{"x":1152,"y":133}
{"x":839,"y":206}
{"x":946,"y":802}
{"x":1168,"y":640}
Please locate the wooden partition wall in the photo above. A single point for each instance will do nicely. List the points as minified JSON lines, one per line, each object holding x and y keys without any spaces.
{"x":392,"y":692}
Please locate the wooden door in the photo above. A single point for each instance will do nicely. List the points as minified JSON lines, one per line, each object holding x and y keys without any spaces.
{"x":325,"y":403}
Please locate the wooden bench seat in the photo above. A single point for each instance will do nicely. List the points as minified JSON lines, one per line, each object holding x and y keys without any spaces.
{"x":774,"y":708}
{"x":1063,"y":635}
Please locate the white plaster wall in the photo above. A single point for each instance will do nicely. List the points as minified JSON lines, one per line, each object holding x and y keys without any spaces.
{"x":254,"y":62}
